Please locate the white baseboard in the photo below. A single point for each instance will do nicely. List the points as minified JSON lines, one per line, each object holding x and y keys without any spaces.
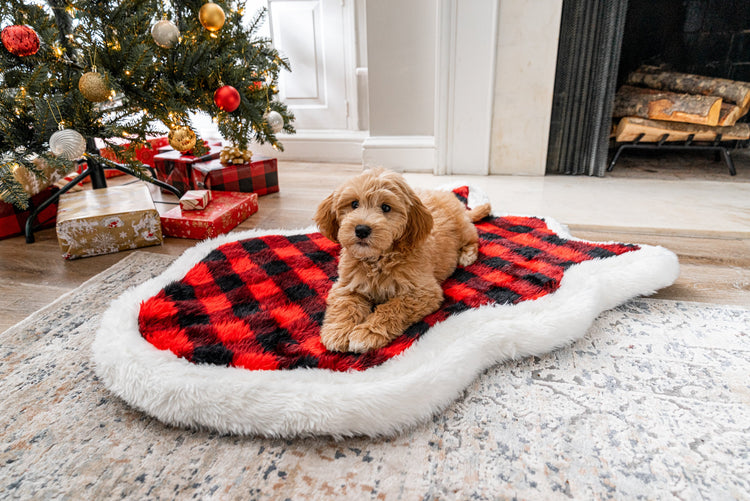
{"x":336,"y":146}
{"x":400,"y":153}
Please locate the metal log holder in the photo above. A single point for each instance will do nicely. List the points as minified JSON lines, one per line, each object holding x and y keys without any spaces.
{"x":94,"y":170}
{"x":687,"y":145}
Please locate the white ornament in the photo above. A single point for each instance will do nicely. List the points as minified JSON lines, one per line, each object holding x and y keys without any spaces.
{"x":275,"y":121}
{"x":166,"y":34}
{"x":67,"y":144}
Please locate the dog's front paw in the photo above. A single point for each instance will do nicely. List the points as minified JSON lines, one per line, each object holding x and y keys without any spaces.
{"x":364,"y":338}
{"x":334,"y":337}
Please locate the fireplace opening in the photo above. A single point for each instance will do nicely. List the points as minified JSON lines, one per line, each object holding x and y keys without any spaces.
{"x":606,"y":48}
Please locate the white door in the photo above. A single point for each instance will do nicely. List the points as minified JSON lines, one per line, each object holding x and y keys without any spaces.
{"x":315,"y":37}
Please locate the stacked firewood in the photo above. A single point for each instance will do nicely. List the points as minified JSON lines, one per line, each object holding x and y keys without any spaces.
{"x":657,"y":103}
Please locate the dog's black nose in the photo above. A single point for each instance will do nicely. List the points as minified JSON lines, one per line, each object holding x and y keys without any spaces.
{"x":362,"y":231}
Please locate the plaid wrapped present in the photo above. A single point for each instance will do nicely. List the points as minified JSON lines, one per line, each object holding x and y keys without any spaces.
{"x":94,"y":222}
{"x":176,"y":168}
{"x":13,"y":219}
{"x":226,"y":210}
{"x":260,"y":176}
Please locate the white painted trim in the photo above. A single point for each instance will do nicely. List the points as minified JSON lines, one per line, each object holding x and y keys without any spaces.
{"x":350,"y":63}
{"x":382,"y":400}
{"x":465,"y":62}
{"x":336,"y":146}
{"x":400,"y":153}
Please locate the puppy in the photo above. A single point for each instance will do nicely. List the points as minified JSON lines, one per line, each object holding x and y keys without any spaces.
{"x":397,"y":247}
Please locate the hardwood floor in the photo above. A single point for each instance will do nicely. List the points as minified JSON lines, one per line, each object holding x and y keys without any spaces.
{"x":715,"y":270}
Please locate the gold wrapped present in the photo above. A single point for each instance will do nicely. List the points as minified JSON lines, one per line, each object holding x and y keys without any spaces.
{"x":32,"y":184}
{"x":94,"y":222}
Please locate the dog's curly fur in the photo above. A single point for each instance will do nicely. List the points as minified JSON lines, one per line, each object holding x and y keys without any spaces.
{"x":397,"y":247}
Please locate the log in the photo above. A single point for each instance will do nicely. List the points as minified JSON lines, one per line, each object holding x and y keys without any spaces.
{"x":729,"y":90}
{"x":729,"y":114}
{"x":630,"y":128}
{"x":669,"y":106}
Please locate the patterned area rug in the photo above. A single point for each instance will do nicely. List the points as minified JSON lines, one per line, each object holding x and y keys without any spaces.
{"x":652,"y":402}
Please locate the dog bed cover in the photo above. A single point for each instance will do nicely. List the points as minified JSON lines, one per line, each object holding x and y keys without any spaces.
{"x":228,"y":337}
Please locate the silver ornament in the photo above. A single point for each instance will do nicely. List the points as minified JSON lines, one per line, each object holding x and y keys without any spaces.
{"x":166,"y":34}
{"x":275,"y":121}
{"x":67,"y":144}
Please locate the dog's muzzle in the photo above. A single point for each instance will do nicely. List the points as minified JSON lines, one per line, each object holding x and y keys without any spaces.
{"x":362,"y":231}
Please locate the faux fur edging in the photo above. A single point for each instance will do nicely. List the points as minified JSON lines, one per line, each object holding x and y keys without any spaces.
{"x":382,"y":400}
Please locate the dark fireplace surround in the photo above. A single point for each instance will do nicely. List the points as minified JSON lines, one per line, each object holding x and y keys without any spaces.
{"x":601,"y":41}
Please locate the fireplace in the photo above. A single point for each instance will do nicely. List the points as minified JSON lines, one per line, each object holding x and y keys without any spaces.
{"x":602,"y":42}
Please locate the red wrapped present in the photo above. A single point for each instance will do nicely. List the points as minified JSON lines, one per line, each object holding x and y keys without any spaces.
{"x":144,"y":154}
{"x":226,"y":210}
{"x":13,"y":219}
{"x":176,"y":168}
{"x":260,"y":176}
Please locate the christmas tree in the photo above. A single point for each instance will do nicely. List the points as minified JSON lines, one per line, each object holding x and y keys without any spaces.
{"x":125,"y":70}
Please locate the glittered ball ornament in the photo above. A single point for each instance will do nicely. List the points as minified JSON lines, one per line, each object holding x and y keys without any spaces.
{"x":275,"y":121}
{"x":182,"y":138}
{"x":227,"y":98}
{"x":67,"y":144}
{"x":94,"y":87}
{"x":211,"y":16}
{"x":166,"y":34}
{"x":20,"y":40}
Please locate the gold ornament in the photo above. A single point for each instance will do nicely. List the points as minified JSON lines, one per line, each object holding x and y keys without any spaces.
{"x":211,"y":16}
{"x":182,"y":138}
{"x":94,"y":87}
{"x":233,"y":155}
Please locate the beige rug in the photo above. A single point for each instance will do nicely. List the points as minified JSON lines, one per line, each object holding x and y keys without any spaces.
{"x":654,"y":402}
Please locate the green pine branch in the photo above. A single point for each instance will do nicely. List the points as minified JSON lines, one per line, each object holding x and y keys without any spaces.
{"x":152,"y":87}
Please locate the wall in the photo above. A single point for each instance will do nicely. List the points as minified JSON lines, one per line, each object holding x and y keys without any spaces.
{"x":528,"y":32}
{"x":401,"y":38}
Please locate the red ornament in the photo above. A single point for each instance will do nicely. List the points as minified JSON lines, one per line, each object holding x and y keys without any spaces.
{"x":20,"y":40}
{"x":227,"y":98}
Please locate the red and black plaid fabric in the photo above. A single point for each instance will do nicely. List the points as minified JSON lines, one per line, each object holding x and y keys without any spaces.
{"x":259,"y":303}
{"x":176,"y":168}
{"x":13,"y":219}
{"x":260,"y":176}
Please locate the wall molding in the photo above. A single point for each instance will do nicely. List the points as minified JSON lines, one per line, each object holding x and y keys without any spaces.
{"x":465,"y":83}
{"x":337,"y":146}
{"x":400,"y":153}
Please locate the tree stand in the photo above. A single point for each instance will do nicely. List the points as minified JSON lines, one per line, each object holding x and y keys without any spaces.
{"x":95,"y":170}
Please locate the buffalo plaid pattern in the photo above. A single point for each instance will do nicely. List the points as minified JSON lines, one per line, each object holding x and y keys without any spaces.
{"x":13,"y":219}
{"x":259,"y":303}
{"x":176,"y":169}
{"x":260,"y":176}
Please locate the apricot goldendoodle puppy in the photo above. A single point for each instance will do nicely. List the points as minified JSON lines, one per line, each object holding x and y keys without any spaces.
{"x":397,"y":247}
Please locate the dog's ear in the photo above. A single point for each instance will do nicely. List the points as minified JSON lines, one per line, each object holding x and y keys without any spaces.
{"x":325,"y":218}
{"x":418,"y":223}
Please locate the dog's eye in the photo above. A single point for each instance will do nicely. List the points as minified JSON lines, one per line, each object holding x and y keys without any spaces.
{"x":355,"y":204}
{"x":385,"y":208}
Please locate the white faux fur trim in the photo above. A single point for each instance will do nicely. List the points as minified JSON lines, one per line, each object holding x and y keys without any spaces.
{"x":382,"y":400}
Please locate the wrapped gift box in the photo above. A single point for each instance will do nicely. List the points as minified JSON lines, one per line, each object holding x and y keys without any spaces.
{"x":31,"y":183}
{"x":226,"y":210}
{"x":13,"y":219}
{"x":94,"y":222}
{"x":143,"y":153}
{"x":176,"y":168}
{"x":260,"y":176}
{"x":195,"y":200}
